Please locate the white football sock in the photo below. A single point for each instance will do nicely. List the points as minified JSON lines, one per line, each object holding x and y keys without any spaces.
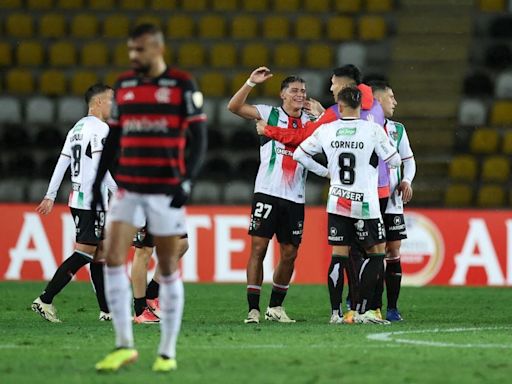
{"x":119,"y":297}
{"x":172,"y":300}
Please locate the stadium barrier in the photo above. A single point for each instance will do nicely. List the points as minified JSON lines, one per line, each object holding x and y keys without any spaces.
{"x":445,"y":247}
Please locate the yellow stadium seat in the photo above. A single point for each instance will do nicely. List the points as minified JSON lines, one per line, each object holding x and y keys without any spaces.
{"x":458,"y":195}
{"x":116,"y":25}
{"x":5,"y":54}
{"x":255,"y":5}
{"x":195,"y":6}
{"x":276,"y":27}
{"x":272,"y":86}
{"x":148,"y":19}
{"x":496,"y":168}
{"x":255,"y":55}
{"x":52,"y":25}
{"x":347,"y":6}
{"x":372,"y":27}
{"x":340,"y":28}
{"x":501,"y":113}
{"x":491,"y":196}
{"x":81,"y":80}
{"x":319,"y":56}
{"x":20,"y":81}
{"x":39,"y":4}
{"x":10,"y":4}
{"x":212,"y":85}
{"x":316,"y":5}
{"x":225,"y":5}
{"x":308,"y":28}
{"x":484,"y":141}
{"x":19,"y":25}
{"x":132,"y":5}
{"x":287,"y":55}
{"x":223,"y":55}
{"x":111,"y":77}
{"x":84,"y":25}
{"x":244,"y":27}
{"x":29,"y":53}
{"x":492,"y":5}
{"x":94,"y":54}
{"x":238,"y":80}
{"x":62,"y":54}
{"x":120,"y":55}
{"x":180,"y":26}
{"x":212,"y":26}
{"x":463,"y":168}
{"x":70,"y":4}
{"x":191,"y":55}
{"x":52,"y":83}
{"x":102,"y":4}
{"x":379,"y":5}
{"x":507,"y":143}
{"x":287,"y":5}
{"x":163,"y":5}
{"x":168,"y":54}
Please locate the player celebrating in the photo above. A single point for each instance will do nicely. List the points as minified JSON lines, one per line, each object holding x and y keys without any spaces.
{"x":82,"y":150}
{"x":156,"y":105}
{"x":278,"y":202}
{"x":352,"y":146}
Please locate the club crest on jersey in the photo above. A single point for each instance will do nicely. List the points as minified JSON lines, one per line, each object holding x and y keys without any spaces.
{"x":333,"y":231}
{"x":394,"y":135}
{"x":163,"y":95}
{"x":294,"y":124}
{"x":359,"y":224}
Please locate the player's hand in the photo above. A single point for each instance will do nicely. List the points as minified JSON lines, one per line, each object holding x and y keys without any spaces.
{"x":182,"y":194}
{"x":313,"y":107}
{"x":259,"y":75}
{"x":97,"y":199}
{"x":45,"y":207}
{"x":405,"y":189}
{"x":260,"y":127}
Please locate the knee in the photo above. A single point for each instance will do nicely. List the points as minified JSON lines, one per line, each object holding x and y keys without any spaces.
{"x":289,"y":254}
{"x":183,"y":247}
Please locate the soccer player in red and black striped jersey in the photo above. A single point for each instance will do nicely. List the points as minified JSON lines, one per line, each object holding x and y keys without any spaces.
{"x":156,"y":106}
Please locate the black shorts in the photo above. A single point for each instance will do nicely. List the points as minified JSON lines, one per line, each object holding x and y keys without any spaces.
{"x":272,"y":215}
{"x":395,"y":227}
{"x":89,"y":226}
{"x":344,"y":230}
{"x":144,"y":239}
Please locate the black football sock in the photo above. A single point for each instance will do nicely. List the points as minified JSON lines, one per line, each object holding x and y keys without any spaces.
{"x":335,"y":281}
{"x":152,"y":290}
{"x":139,"y":304}
{"x":64,"y":274}
{"x":370,"y":270}
{"x":355,"y":260}
{"x":393,"y":282}
{"x":98,"y":280}
{"x":278,"y":294}
{"x":253,"y":297}
{"x":379,"y":290}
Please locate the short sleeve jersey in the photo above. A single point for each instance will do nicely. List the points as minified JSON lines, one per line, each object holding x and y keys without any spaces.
{"x":398,"y":136}
{"x":85,"y":138}
{"x":352,"y":147}
{"x":279,"y":175}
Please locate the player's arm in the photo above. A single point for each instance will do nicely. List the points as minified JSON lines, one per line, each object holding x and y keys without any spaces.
{"x":238,"y":103}
{"x":45,"y":207}
{"x":409,"y":164}
{"x":304,"y":155}
{"x":385,"y":150}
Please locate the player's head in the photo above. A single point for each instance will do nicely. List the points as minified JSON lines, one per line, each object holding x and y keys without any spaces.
{"x":145,"y":47}
{"x":348,"y":75}
{"x":349,"y":101}
{"x":385,"y":96}
{"x":99,"y":100}
{"x":293,"y":92}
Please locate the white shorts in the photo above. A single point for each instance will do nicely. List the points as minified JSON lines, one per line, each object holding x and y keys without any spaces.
{"x":161,"y":218}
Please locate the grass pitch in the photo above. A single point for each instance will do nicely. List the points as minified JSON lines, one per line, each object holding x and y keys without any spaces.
{"x":450,"y":335}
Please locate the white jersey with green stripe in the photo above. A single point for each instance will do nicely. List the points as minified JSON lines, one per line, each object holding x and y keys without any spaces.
{"x":85,"y":138}
{"x":352,"y":147}
{"x":279,"y":175}
{"x":398,"y":136}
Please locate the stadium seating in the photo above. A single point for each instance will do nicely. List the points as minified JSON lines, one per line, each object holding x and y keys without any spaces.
{"x":116,"y":26}
{"x":94,"y":54}
{"x":492,"y":5}
{"x":196,"y":5}
{"x":276,"y":27}
{"x":37,"y":190}
{"x":255,"y":55}
{"x":223,"y":55}
{"x":180,"y":26}
{"x":501,"y":27}
{"x":314,"y":193}
{"x":348,"y":6}
{"x":62,"y":54}
{"x":316,"y":5}
{"x":498,"y":56}
{"x":52,"y":25}
{"x":501,"y":113}
{"x":120,"y":55}
{"x":191,"y":55}
{"x":374,"y":6}
{"x":316,"y":83}
{"x":11,"y":4}
{"x":472,"y":112}
{"x":5,"y":54}
{"x":287,"y":5}
{"x":12,"y":190}
{"x":132,"y":5}
{"x":478,"y":84}
{"x":52,"y":83}
{"x":340,"y":28}
{"x":496,"y":168}
{"x":19,"y":25}
{"x":10,"y":109}
{"x":39,"y":4}
{"x":225,"y":5}
{"x":507,"y":143}
{"x":463,"y":168}
{"x":206,"y":192}
{"x":484,"y":141}
{"x":247,"y":168}
{"x":70,"y":109}
{"x":504,"y":85}
{"x":20,"y":81}
{"x":255,"y":5}
{"x":81,"y":80}
{"x":491,"y":196}
{"x":71,"y":4}
{"x":212,"y":27}
{"x":351,"y":53}
{"x":148,"y":19}
{"x":212,"y":85}
{"x":244,"y":27}
{"x":84,"y":25}
{"x":217,"y":168}
{"x":308,"y":28}
{"x":39,"y":110}
{"x":372,"y":27}
{"x":287,"y":55}
{"x":238,"y":192}
{"x":29,"y":53}
{"x":458,"y":195}
{"x":319,"y":56}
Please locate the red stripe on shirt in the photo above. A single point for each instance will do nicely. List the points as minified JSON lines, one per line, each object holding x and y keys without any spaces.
{"x":148,"y":161}
{"x":171,"y":121}
{"x":149,"y":93}
{"x":147,"y":180}
{"x":152,"y":142}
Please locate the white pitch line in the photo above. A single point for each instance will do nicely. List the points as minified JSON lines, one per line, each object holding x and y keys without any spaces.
{"x":388,"y":337}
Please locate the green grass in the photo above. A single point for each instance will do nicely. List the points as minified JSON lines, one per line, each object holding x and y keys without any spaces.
{"x":216,"y":347}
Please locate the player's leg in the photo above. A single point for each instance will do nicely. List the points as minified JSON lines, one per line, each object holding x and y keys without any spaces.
{"x":97,"y":270}
{"x":355,"y":261}
{"x":140,"y":264}
{"x":393,"y":279}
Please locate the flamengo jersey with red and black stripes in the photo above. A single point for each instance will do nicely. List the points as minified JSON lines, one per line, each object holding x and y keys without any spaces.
{"x":154,"y":114}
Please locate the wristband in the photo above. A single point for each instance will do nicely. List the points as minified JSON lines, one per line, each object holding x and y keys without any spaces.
{"x":250,"y":83}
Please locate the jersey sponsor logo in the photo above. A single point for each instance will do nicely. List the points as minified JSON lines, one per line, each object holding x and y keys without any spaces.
{"x":349,"y":195}
{"x":145,"y":125}
{"x":333,"y":232}
{"x":346,"y":131}
{"x":300,"y":228}
{"x":128,"y":83}
{"x":163,"y":95}
{"x":167,"y":83}
{"x":347,"y":144}
{"x":284,"y":152}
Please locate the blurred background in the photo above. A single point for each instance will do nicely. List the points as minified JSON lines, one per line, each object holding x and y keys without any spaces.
{"x":449,"y":63}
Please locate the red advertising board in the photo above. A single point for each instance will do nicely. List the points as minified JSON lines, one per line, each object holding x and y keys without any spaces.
{"x":445,"y":247}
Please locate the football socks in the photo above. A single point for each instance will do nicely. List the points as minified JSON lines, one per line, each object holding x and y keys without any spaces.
{"x":98,"y":281}
{"x":172,"y":300}
{"x":278,"y":294}
{"x":335,"y":280}
{"x":119,"y":297}
{"x":393,"y":282}
{"x":372,"y":267}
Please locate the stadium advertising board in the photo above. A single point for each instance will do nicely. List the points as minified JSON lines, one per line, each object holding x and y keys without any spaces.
{"x":445,"y":247}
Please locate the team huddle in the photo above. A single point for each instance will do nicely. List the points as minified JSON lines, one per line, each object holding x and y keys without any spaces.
{"x":150,"y":153}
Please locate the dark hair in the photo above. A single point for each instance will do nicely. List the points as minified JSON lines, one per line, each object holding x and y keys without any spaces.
{"x":350,"y":71}
{"x":379,"y":85}
{"x":146,"y":28}
{"x":350,"y":96}
{"x":291,"y":79}
{"x":94,"y":90}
